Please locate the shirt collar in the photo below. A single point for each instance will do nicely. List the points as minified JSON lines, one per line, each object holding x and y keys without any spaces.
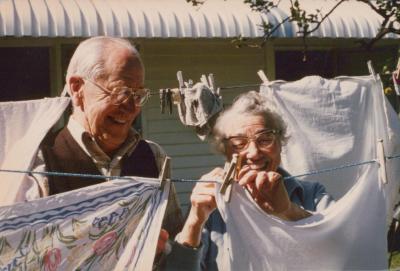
{"x":90,"y":146}
{"x":293,"y":186}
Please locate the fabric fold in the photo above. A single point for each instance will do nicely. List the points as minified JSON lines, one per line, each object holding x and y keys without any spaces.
{"x":24,"y":124}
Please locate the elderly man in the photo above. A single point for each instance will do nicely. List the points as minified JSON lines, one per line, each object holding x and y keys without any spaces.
{"x":256,"y":133}
{"x":105,"y":80}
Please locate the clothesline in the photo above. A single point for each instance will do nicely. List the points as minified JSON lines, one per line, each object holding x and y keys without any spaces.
{"x":315,"y":172}
{"x":154,"y":93}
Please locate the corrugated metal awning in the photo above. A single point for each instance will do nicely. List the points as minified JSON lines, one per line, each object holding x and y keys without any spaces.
{"x":172,"y":18}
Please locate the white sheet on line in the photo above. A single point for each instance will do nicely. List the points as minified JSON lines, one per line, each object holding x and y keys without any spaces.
{"x":23,"y":125}
{"x":331,"y":123}
{"x":110,"y":226}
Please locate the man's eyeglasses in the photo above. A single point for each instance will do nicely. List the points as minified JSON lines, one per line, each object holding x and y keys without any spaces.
{"x":263,"y":139}
{"x":119,"y":95}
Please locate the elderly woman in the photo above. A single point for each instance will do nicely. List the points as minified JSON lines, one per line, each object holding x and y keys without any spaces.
{"x":251,"y":129}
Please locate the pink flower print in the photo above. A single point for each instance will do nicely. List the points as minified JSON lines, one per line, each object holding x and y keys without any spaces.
{"x":103,"y":244}
{"x":52,"y":259}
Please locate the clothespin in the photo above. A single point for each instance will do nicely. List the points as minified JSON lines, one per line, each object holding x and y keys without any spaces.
{"x":371,"y":69}
{"x":176,"y":96}
{"x":162,"y":100}
{"x":179,"y":76}
{"x":165,"y":172}
{"x":226,"y":187}
{"x":382,"y":161}
{"x":168,"y":98}
{"x":211,"y":82}
{"x":262,"y":76}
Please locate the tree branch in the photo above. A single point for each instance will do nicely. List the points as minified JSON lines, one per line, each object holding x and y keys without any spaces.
{"x":326,"y":16}
{"x":275,"y":28}
{"x":372,"y":6}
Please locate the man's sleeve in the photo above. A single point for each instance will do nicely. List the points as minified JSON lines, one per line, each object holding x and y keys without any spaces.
{"x":183,"y":258}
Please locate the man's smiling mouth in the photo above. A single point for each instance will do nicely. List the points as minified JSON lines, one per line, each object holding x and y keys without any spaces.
{"x":118,"y":120}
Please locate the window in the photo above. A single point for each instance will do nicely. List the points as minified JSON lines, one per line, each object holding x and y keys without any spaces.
{"x":290,"y":65}
{"x":24,"y":73}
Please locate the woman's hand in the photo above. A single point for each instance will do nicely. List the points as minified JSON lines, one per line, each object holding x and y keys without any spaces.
{"x":268,"y":190}
{"x":203,"y":204}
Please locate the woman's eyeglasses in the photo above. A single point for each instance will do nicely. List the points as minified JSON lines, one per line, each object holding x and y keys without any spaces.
{"x":263,"y":139}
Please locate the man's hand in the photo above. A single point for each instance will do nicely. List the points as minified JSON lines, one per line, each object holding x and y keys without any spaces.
{"x":203,"y":204}
{"x":269,"y":192}
{"x":162,"y":242}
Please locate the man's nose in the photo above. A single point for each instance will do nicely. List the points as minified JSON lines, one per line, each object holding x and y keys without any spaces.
{"x":129,"y":104}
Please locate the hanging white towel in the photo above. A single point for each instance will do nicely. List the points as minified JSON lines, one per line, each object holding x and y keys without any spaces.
{"x":23,"y":125}
{"x":331,"y":123}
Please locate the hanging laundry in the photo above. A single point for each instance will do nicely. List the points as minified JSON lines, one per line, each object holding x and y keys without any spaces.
{"x":110,"y":226}
{"x":197,"y":104}
{"x":23,"y":125}
{"x":330,"y":123}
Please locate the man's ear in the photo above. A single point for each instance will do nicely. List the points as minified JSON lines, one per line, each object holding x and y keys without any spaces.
{"x":76,"y":84}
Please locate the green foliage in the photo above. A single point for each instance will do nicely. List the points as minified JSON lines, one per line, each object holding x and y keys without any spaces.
{"x":308,"y":22}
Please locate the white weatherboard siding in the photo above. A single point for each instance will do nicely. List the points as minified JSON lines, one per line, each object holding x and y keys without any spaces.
{"x":173,"y":35}
{"x":191,"y":157}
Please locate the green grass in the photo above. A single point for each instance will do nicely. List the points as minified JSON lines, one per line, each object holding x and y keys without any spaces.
{"x":395,"y":262}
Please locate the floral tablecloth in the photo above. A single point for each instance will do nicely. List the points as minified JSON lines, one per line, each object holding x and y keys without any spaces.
{"x":111,"y":226}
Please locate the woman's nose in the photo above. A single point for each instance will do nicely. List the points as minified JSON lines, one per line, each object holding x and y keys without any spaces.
{"x":252,"y":150}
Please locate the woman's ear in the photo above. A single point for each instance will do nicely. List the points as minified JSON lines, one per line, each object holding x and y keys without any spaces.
{"x":76,"y":84}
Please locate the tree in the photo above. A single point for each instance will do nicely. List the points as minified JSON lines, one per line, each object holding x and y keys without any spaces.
{"x":308,"y":22}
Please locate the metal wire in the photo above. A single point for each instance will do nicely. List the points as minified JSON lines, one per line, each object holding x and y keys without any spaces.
{"x":315,"y":172}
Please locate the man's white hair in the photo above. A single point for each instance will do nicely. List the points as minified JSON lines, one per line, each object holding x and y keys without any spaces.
{"x":89,"y":57}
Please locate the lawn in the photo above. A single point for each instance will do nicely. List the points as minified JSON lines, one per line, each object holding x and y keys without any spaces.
{"x":395,"y":262}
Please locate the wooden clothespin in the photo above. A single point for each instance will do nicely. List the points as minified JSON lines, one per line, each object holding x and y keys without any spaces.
{"x":230,"y":172}
{"x":179,"y":76}
{"x":262,"y":76}
{"x":165,"y":172}
{"x":168,"y":98}
{"x":176,"y":96}
{"x":372,"y":70}
{"x":382,"y":161}
{"x":162,"y":100}
{"x":211,"y":82}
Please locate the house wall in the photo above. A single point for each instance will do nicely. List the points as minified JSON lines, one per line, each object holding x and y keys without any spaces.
{"x":191,"y":157}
